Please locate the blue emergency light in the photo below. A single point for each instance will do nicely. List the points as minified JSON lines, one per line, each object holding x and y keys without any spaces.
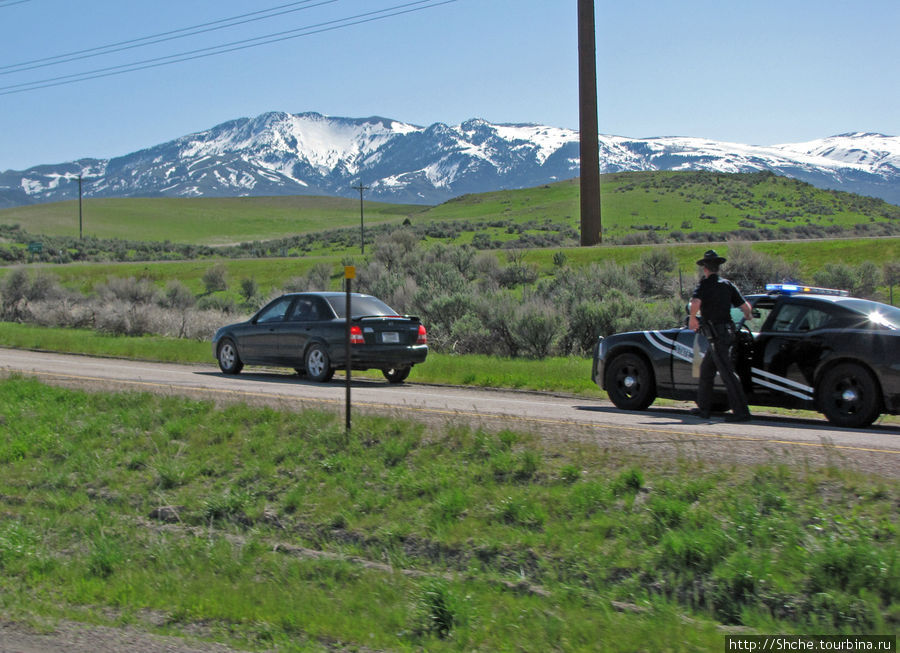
{"x":792,"y":288}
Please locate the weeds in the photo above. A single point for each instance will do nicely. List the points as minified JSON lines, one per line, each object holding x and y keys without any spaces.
{"x":281,"y":528}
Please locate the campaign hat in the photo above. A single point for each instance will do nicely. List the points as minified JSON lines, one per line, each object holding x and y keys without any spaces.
{"x":711,"y":257}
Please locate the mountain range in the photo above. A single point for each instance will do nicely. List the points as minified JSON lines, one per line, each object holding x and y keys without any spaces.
{"x":311,"y":154}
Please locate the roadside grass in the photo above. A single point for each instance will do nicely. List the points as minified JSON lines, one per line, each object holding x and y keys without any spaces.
{"x":271,"y":529}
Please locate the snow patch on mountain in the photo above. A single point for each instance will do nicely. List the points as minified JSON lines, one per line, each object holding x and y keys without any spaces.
{"x":279,"y":153}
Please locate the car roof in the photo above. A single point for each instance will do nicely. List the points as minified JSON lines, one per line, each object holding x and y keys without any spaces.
{"x":834,"y":299}
{"x":325,"y":293}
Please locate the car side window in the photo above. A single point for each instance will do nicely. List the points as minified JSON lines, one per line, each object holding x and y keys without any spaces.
{"x":275,"y":312}
{"x":302,"y":310}
{"x":319,"y":310}
{"x":798,"y":318}
{"x":787,"y":316}
{"x":813,"y":319}
{"x":308,"y":309}
{"x":760,"y":315}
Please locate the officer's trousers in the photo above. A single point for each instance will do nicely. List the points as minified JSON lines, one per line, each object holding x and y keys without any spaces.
{"x":718,"y":359}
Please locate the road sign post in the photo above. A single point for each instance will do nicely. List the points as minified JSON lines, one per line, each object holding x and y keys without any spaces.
{"x":349,"y":274}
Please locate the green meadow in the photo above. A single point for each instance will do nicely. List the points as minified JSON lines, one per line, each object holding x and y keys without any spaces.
{"x":632,"y":204}
{"x":271,"y":530}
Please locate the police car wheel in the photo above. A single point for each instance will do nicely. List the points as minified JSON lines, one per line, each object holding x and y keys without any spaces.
{"x":848,"y":395}
{"x":630,"y":383}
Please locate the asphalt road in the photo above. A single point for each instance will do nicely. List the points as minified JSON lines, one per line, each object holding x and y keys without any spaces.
{"x":668,"y":430}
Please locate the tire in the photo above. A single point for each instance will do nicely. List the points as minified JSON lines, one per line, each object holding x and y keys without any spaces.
{"x":396,"y":374}
{"x":318,"y":364}
{"x":849,"y":396}
{"x":630,"y":383}
{"x":227,"y":355}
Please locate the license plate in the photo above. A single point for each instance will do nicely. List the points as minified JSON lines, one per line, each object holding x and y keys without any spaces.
{"x":390,"y":337}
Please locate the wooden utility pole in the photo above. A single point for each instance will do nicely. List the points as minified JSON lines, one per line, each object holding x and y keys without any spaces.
{"x":362,"y":228}
{"x":591,"y":226}
{"x":79,"y":207}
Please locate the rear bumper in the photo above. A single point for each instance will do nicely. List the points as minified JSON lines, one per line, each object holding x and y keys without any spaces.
{"x":364,"y":357}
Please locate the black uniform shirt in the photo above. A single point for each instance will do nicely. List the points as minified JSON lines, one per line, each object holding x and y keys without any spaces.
{"x":717,"y":296}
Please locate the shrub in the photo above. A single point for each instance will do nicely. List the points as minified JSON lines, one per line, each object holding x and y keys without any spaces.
{"x":221,"y":303}
{"x":215,"y":279}
{"x":836,"y":275}
{"x":249,"y":289}
{"x":19,"y":288}
{"x":751,"y":270}
{"x":178,"y":296}
{"x":130,"y":290}
{"x":537,"y":326}
{"x":468,"y":335}
{"x":653,"y":272}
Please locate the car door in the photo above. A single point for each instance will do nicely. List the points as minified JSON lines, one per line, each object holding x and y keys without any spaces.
{"x":683,"y":378}
{"x":259,"y":340}
{"x":788,"y":350}
{"x":306,"y":320}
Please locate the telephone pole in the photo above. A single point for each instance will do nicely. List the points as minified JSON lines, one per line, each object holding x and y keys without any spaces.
{"x":362,"y":228}
{"x":79,"y":207}
{"x":591,"y":226}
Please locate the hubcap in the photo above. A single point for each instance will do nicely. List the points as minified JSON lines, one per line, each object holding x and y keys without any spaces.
{"x":629,"y":382}
{"x":850,"y":395}
{"x":227,"y":356}
{"x":316,"y":362}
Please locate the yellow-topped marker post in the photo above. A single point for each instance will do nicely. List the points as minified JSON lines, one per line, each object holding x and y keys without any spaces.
{"x":349,"y":274}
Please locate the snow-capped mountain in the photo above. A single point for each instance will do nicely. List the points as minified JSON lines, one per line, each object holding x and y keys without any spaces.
{"x":311,"y":154}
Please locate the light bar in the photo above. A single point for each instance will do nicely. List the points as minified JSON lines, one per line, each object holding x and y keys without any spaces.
{"x":790,"y":288}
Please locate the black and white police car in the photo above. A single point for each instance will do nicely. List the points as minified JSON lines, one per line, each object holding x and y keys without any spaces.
{"x":805,"y":347}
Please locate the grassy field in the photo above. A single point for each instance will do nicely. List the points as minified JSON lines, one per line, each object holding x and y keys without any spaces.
{"x":279,"y":530}
{"x":208,"y":221}
{"x":631,"y":203}
{"x":272,"y":273}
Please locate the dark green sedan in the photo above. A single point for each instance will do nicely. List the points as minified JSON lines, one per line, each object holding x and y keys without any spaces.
{"x":307,"y":331}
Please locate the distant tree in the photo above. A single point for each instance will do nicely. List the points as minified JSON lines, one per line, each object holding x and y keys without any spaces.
{"x":215,"y":278}
{"x":249,"y":289}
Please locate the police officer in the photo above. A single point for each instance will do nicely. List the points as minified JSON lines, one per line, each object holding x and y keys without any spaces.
{"x":712,"y":300}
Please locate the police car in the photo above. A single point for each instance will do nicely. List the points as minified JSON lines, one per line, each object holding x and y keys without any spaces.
{"x":805,"y":347}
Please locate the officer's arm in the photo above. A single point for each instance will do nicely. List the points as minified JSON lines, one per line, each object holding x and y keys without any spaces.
{"x":693,"y":322}
{"x":747,"y":310}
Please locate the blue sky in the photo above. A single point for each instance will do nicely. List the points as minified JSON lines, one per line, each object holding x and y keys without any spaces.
{"x":762,"y":72}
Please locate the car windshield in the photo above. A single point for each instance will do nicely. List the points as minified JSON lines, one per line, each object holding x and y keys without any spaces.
{"x":881,"y":315}
{"x":360,"y":305}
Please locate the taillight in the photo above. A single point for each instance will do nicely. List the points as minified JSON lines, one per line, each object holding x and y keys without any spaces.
{"x":423,"y":336}
{"x":356,"y":336}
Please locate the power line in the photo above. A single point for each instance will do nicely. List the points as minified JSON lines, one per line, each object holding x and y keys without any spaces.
{"x":153,"y":39}
{"x":327,"y":26}
{"x":10,"y":3}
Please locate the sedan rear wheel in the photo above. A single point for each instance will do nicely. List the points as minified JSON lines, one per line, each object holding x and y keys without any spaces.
{"x":229,"y":360}
{"x":396,"y":374}
{"x":630,"y":383}
{"x":318,"y":365}
{"x":848,"y":395}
